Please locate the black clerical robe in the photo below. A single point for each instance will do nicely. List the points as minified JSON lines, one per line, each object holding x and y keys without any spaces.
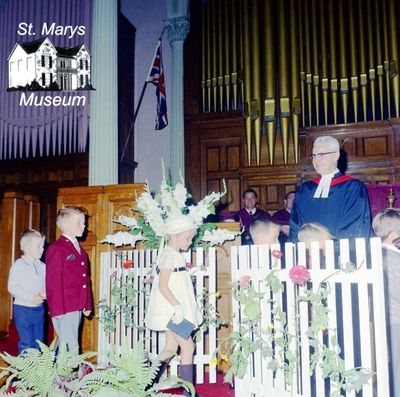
{"x":345,"y":212}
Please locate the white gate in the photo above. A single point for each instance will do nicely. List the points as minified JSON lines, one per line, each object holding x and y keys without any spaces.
{"x":125,"y":337}
{"x":356,"y":313}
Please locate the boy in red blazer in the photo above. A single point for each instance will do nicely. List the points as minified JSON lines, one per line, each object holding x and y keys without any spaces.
{"x":67,"y":278}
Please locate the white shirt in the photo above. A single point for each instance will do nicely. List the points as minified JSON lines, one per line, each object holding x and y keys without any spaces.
{"x":27,"y":278}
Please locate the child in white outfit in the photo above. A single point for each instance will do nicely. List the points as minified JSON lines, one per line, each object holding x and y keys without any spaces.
{"x":26,"y":283}
{"x":172,"y":297}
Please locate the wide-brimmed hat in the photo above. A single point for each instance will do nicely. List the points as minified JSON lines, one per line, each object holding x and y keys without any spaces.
{"x":179,"y":223}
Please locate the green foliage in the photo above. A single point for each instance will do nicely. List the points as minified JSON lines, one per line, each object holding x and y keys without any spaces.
{"x":38,"y":372}
{"x":124,"y":298}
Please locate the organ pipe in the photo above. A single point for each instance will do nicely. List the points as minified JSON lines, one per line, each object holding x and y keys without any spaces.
{"x":299,"y":60}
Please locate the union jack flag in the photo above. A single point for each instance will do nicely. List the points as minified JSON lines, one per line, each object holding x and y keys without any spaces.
{"x":156,"y":77}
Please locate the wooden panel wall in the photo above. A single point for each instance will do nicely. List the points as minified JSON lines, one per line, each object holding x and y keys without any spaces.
{"x":102,"y":204}
{"x":18,"y":212}
{"x":215,"y":150}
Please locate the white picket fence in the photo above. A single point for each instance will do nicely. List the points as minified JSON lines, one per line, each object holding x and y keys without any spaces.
{"x":125,"y":337}
{"x":356,"y":298}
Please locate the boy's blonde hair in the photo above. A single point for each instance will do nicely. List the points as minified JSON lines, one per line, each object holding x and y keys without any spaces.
{"x":314,"y":231}
{"x":386,"y":222}
{"x":66,"y":212}
{"x":27,"y":236}
{"x":262,"y":227}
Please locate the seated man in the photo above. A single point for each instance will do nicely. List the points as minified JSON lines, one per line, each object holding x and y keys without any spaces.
{"x":282,"y":217}
{"x":248,"y":214}
{"x":264,"y":231}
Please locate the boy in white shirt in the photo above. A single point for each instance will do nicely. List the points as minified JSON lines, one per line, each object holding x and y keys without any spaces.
{"x":26,"y":283}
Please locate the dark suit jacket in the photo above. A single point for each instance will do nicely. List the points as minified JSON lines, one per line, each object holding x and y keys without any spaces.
{"x":67,"y":278}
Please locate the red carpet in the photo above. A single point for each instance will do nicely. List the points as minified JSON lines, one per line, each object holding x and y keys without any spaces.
{"x":9,"y":344}
{"x":219,"y":389}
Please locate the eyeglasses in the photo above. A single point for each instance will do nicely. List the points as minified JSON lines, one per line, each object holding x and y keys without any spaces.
{"x":313,"y":156}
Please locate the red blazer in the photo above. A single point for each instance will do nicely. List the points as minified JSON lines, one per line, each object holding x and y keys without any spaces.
{"x":67,"y":278}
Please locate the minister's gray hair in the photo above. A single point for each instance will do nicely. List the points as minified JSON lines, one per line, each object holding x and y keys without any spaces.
{"x":328,"y":140}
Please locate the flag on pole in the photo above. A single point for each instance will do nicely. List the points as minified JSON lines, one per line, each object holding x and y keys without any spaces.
{"x":156,"y":77}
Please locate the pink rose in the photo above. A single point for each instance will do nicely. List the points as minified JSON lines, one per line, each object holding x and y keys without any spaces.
{"x":189,"y":265}
{"x":299,"y":274}
{"x":277,"y":254}
{"x":244,"y":281}
{"x":114,"y":274}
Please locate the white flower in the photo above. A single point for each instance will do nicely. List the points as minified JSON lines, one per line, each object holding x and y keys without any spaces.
{"x":128,"y":221}
{"x":218,"y":236}
{"x":151,"y":211}
{"x":180,"y":195}
{"x":199,"y":212}
{"x":122,"y":238}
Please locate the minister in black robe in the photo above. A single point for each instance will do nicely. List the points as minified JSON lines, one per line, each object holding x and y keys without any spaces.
{"x":337,"y":201}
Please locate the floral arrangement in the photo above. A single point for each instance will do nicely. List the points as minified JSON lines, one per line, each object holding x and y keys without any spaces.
{"x":152,"y":211}
{"x":276,"y":343}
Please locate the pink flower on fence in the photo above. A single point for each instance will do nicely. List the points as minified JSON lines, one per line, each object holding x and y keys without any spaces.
{"x":113,"y":274}
{"x":189,"y":265}
{"x":277,"y":254}
{"x":299,"y":274}
{"x":148,"y":280}
{"x":127,"y":264}
{"x":244,"y":281}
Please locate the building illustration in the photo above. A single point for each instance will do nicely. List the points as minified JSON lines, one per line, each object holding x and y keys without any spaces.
{"x":50,"y":66}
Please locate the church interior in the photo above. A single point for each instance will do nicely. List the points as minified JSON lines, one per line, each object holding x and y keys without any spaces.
{"x":250,"y":85}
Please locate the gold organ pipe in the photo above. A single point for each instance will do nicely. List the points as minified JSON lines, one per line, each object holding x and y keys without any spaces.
{"x":332,"y":50}
{"x":220,"y":80}
{"x":234,"y":57}
{"x":247,"y":77}
{"x":203,"y":57}
{"x":240,"y":69}
{"x":283,"y":79}
{"x":324,"y":57}
{"x":344,"y":82}
{"x":379,"y":60}
{"x":214,"y":53}
{"x":314,"y":32}
{"x":256,"y":79}
{"x":294,"y":78}
{"x":371,"y":58}
{"x":362,"y":56}
{"x":394,"y":55}
{"x":302,"y":68}
{"x":227,"y":45}
{"x":353,"y":60}
{"x":308,"y":74}
{"x":269,"y":78}
{"x":208,"y":46}
{"x":386,"y":55}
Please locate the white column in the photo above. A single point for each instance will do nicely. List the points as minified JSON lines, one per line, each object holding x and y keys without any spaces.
{"x":103,"y":130}
{"x":177,"y":25}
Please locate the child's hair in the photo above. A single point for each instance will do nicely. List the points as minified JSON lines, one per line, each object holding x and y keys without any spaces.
{"x":386,"y":222}
{"x":27,"y":236}
{"x":261,"y":227}
{"x":66,"y":212}
{"x":313,"y":231}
